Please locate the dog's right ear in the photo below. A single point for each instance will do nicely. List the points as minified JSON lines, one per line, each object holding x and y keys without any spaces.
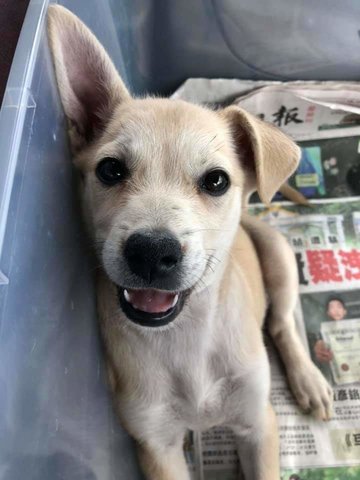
{"x":89,"y":84}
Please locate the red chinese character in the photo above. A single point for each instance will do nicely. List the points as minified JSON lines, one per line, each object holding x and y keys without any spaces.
{"x":351,"y":262}
{"x":323,"y":266}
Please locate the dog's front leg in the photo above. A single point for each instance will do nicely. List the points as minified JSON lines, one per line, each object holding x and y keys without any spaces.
{"x":258,"y":448}
{"x":161,"y":462}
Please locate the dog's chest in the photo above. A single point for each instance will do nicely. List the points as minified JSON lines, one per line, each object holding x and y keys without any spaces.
{"x":202,"y":406}
{"x":205,"y":398}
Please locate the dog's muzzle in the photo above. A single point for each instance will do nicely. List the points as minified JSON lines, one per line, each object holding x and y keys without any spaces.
{"x":154,"y":257}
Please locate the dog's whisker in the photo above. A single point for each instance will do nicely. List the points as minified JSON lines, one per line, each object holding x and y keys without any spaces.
{"x":213,"y":138}
{"x":204,"y":149}
{"x":191,"y":232}
{"x":218,"y":148}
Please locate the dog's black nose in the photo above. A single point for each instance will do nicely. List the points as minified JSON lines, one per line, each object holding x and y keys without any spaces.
{"x":153,"y":255}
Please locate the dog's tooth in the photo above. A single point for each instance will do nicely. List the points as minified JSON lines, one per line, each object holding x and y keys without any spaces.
{"x":176,"y":298}
{"x":126,"y":295}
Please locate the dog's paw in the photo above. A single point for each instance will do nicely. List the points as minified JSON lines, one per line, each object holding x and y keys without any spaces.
{"x":312,"y":391}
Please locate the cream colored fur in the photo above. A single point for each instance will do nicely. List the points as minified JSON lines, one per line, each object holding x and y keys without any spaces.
{"x":209,"y":367}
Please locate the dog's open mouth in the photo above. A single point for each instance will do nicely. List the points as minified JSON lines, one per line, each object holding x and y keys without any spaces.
{"x":149,"y":307}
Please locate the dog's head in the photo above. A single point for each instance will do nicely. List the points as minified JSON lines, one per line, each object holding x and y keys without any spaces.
{"x":163,"y":181}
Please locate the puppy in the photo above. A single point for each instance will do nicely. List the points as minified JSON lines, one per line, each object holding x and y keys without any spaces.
{"x":186,"y":275}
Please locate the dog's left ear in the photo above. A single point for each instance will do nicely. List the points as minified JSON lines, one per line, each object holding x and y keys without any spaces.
{"x":267,"y":155}
{"x":89,"y":84}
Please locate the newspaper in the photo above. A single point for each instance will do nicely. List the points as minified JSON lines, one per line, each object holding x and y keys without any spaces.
{"x":324,"y":118}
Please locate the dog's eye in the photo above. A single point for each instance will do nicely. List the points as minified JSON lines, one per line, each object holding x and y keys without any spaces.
{"x":215,"y":182}
{"x":111,"y":171}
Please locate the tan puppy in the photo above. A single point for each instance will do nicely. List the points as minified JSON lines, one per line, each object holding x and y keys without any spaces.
{"x":182,"y":293}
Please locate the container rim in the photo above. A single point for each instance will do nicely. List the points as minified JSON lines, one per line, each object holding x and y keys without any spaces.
{"x":16,"y":102}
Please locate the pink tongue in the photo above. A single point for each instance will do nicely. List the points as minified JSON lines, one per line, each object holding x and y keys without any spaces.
{"x":151,"y":301}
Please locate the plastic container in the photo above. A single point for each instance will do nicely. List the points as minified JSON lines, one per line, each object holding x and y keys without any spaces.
{"x":56,"y":416}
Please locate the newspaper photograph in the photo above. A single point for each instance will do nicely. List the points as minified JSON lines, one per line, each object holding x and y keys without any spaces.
{"x":329,"y":168}
{"x":333,"y":333}
{"x":324,"y":119}
{"x":341,"y":343}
